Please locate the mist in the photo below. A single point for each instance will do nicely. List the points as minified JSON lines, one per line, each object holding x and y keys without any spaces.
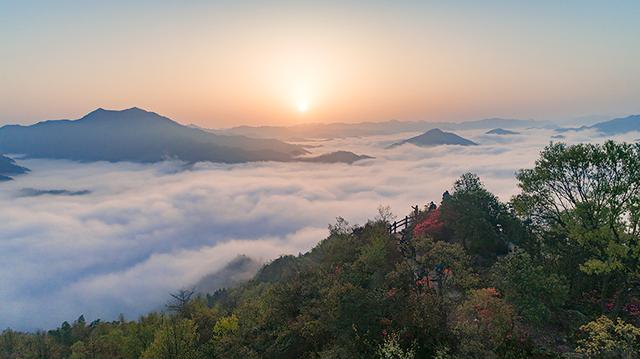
{"x":101,"y":239}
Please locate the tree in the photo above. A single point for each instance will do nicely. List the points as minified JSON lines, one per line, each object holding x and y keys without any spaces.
{"x":176,"y":339}
{"x":584,"y":202}
{"x":602,"y":338}
{"x":478,"y":220}
{"x":8,"y":344}
{"x":431,"y":225}
{"x":446,"y":264}
{"x":391,"y":349}
{"x":529,"y":286}
{"x":179,"y":301}
{"x":483,"y":323}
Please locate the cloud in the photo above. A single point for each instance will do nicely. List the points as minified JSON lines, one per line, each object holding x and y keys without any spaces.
{"x":140,"y":231}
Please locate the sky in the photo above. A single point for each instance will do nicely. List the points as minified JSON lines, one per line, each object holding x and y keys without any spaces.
{"x":226,"y":63}
{"x":125,"y":235}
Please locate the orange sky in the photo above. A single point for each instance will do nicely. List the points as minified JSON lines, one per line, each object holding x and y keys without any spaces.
{"x":221,"y":63}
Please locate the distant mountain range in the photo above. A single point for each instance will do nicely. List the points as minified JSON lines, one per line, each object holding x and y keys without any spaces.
{"x":8,"y":168}
{"x":139,"y":136}
{"x":501,"y":131}
{"x":612,"y":127}
{"x":436,"y":137}
{"x":340,"y":130}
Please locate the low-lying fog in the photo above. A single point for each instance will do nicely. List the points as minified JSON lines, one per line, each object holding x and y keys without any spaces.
{"x":101,"y":239}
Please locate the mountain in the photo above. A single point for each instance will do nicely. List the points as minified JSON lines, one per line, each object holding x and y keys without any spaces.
{"x":436,"y":137}
{"x":139,"y":136}
{"x":500,"y":131}
{"x":8,"y":167}
{"x":618,"y":125}
{"x":241,"y":269}
{"x":612,"y":127}
{"x":337,"y":157}
{"x":341,"y":130}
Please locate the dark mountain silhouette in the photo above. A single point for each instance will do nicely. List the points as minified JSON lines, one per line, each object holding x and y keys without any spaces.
{"x":436,"y":137}
{"x":139,"y":136}
{"x":8,"y":168}
{"x":501,"y":131}
{"x":337,"y":157}
{"x":612,"y":127}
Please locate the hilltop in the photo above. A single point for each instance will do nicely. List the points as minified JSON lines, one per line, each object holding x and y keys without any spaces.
{"x":436,"y":137}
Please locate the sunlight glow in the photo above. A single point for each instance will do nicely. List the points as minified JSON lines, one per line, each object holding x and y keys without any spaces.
{"x":303,"y":105}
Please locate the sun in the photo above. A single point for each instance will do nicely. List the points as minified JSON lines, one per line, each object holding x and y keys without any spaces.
{"x":303,"y":105}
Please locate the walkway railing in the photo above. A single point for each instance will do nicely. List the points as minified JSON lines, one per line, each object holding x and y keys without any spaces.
{"x":401,"y":224}
{"x":407,"y":221}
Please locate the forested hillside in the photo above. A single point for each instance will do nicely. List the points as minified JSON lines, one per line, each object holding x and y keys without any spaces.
{"x":555,"y":272}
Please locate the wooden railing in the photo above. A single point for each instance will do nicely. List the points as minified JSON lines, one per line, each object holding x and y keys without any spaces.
{"x":407,"y":221}
{"x":401,"y":224}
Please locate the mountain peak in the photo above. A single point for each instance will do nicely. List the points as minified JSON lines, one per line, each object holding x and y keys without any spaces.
{"x":136,"y":109}
{"x":436,"y":137}
{"x":129,"y":115}
{"x":434,"y":131}
{"x":96,"y":111}
{"x":101,"y":110}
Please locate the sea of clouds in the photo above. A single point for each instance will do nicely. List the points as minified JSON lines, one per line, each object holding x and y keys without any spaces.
{"x":101,"y":239}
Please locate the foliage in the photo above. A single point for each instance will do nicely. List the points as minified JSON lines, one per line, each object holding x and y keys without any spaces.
{"x":583,"y":202}
{"x":484,"y":322}
{"x":431,"y":226}
{"x":529,"y":287}
{"x":446,"y":262}
{"x":175,"y":339}
{"x":391,"y":349}
{"x":602,"y":338}
{"x":478,"y":220}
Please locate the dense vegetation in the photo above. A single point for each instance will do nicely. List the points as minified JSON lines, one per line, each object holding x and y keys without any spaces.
{"x":553,"y":273}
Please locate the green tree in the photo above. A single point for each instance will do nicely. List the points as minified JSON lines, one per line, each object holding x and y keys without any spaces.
{"x":478,"y":220}
{"x":483,"y":323}
{"x":529,"y":286}
{"x":447,"y":264}
{"x":176,"y":339}
{"x":392,"y":349}
{"x":602,"y":338}
{"x":584,"y":202}
{"x":225,"y":326}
